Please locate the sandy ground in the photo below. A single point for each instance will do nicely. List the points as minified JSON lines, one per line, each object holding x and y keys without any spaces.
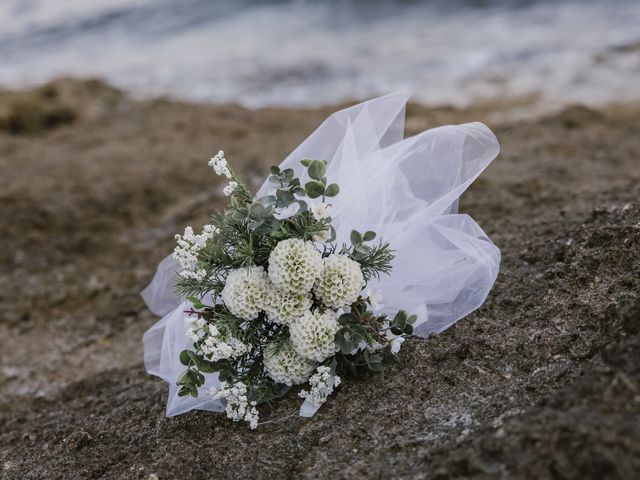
{"x":542,"y":382}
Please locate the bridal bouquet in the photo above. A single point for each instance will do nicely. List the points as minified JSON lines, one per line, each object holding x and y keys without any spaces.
{"x":285,"y":287}
{"x":275,"y":302}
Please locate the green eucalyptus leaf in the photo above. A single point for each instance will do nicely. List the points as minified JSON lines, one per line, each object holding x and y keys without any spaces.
{"x":368,"y":236}
{"x":184,"y":357}
{"x":257,"y":211}
{"x":346,"y":318}
{"x":356,"y":238}
{"x":289,"y":174}
{"x":314,"y":189}
{"x":332,"y":190}
{"x":396,"y":331}
{"x":267,"y":200}
{"x":274,"y":169}
{"x":412,"y":319}
{"x":317,"y":169}
{"x":364,"y":249}
{"x":306,"y":162}
{"x":408,"y":329}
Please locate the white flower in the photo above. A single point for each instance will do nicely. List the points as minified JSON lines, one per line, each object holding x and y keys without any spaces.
{"x":283,"y":306}
{"x":238,"y":405}
{"x":375,"y":298}
{"x":323,"y":383}
{"x":217,"y":349}
{"x":312,"y":335}
{"x":244,"y":292}
{"x":282,"y":213}
{"x":188,"y":247}
{"x":228,"y":190}
{"x":396,"y":343}
{"x":323,"y":236}
{"x":295,"y":265}
{"x":287,"y":366}
{"x":320,"y":211}
{"x":220,"y":165}
{"x":340,"y":281}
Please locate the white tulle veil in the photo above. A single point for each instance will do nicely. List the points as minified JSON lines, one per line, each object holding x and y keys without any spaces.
{"x":404,"y":189}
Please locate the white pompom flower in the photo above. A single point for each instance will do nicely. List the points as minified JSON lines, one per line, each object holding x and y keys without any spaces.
{"x":245,"y":291}
{"x":283,"y":306}
{"x":286,"y":366}
{"x":341,"y":281}
{"x":294,"y":265}
{"x":312,"y":335}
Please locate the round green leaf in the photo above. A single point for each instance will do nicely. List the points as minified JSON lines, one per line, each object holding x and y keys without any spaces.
{"x":332,"y":190}
{"x":314,"y":189}
{"x":317,"y":169}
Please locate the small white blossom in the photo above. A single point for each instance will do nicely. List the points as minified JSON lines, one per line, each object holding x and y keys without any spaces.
{"x":245,"y":291}
{"x":312,"y":335}
{"x":294,"y":265}
{"x":323,"y":383}
{"x":286,"y":366}
{"x":340,"y":282}
{"x":228,"y":190}
{"x":375,"y":298}
{"x":220,"y":165}
{"x":282,"y":213}
{"x":323,"y":236}
{"x":320,"y":211}
{"x":187,"y":249}
{"x":217,"y":349}
{"x":396,"y":343}
{"x":213,"y":345}
{"x":238,"y":405}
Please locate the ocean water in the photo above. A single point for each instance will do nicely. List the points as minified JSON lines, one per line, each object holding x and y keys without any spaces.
{"x":294,"y":52}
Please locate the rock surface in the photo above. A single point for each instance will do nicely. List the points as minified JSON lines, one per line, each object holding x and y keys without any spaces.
{"x":542,"y":382}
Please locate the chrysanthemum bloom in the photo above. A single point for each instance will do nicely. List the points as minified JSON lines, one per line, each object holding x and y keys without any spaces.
{"x":283,"y":306}
{"x":340,"y":282}
{"x":294,"y":265}
{"x":286,"y":366}
{"x":312,"y":334}
{"x":244,"y":292}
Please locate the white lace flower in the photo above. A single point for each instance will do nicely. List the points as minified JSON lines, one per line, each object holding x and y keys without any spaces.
{"x":287,"y":366}
{"x":216,"y":349}
{"x":238,"y":405}
{"x":220,"y":165}
{"x":188,"y":247}
{"x":340,"y":282}
{"x":244,"y":292}
{"x":320,"y":211}
{"x":282,"y":213}
{"x":283,"y":306}
{"x":312,"y":335}
{"x":228,"y":190}
{"x":295,"y":265}
{"x":323,"y":383}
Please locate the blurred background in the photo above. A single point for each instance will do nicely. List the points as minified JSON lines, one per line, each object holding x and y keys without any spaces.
{"x":295,"y":52}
